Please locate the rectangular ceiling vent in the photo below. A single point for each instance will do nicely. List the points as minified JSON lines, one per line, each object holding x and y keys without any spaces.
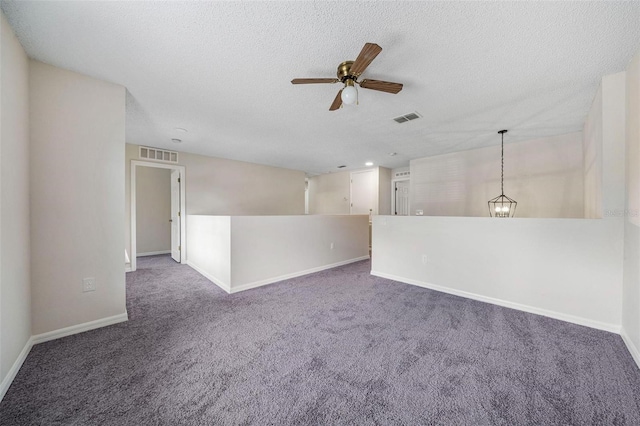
{"x":158,"y":154}
{"x":402,"y":174}
{"x":407,"y":117}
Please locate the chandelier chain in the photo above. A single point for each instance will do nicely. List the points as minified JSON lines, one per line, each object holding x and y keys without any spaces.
{"x":502,"y":172}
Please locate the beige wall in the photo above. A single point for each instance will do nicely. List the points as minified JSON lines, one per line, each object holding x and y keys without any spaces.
{"x":631,"y":285}
{"x":216,"y":186}
{"x":153,"y":192}
{"x":613,"y":145}
{"x":77,"y":127}
{"x":226,"y":187}
{"x":384,"y":190}
{"x":544,"y":176}
{"x":592,"y":163}
{"x":330,"y":193}
{"x":15,"y":285}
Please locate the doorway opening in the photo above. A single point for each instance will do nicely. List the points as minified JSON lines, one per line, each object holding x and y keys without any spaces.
{"x":400,"y":197}
{"x":177,"y":218}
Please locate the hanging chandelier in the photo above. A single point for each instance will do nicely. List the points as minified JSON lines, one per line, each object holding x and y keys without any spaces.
{"x":502,"y":206}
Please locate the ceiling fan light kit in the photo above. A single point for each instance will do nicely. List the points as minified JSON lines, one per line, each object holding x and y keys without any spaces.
{"x":349,"y":94}
{"x":348,"y":74}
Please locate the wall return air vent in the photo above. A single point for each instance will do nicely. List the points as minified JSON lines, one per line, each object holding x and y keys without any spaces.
{"x":407,"y":117}
{"x":158,"y":154}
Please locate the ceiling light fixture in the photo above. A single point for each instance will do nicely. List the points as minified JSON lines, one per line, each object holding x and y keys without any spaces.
{"x":349,"y":94}
{"x":368,"y":163}
{"x":174,"y":140}
{"x":502,"y":206}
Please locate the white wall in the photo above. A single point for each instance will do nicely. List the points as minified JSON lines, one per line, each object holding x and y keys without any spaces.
{"x":77,"y":127}
{"x":209,"y":247}
{"x":266,"y":248}
{"x":153,"y":210}
{"x":631,"y":285}
{"x":563,"y":268}
{"x":242,"y":252}
{"x":218,"y":186}
{"x":15,"y":285}
{"x":545,"y":177}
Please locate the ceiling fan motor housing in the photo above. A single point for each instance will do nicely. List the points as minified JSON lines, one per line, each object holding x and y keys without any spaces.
{"x":344,"y":72}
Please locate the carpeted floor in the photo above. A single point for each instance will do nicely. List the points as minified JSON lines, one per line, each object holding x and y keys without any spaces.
{"x":336,"y":347}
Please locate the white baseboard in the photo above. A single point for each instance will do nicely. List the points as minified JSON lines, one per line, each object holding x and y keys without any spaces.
{"x":210,"y":277}
{"x":153,"y":253}
{"x":56,"y":334}
{"x":633,"y":349}
{"x":80,"y":328}
{"x":260,"y":283}
{"x":613,"y":328}
{"x":128,"y":269}
{"x":13,"y":371}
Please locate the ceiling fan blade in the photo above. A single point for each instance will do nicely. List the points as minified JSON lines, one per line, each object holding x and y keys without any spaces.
{"x":382,"y":86}
{"x":367,"y":54}
{"x":337,"y":102}
{"x":313,"y":80}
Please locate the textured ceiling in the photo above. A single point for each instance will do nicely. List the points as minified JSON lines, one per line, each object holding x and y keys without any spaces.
{"x":222,"y":70}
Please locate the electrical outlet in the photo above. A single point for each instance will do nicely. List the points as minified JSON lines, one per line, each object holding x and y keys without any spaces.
{"x":331,"y":246}
{"x":88,"y":284}
{"x":424,"y":259}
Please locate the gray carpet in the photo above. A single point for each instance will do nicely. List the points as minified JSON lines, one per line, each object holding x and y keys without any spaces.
{"x":337,"y":347}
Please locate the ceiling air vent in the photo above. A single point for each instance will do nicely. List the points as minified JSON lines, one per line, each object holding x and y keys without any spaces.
{"x":158,"y":154}
{"x":407,"y":117}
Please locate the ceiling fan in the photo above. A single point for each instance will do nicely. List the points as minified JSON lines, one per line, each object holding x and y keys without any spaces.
{"x":348,"y":73}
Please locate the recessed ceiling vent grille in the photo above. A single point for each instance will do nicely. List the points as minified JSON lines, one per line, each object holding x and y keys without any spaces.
{"x":402,"y":174}
{"x":407,"y":117}
{"x":158,"y":154}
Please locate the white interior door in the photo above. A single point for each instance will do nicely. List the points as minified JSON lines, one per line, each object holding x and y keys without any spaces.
{"x":175,"y":215}
{"x":362,"y":192}
{"x":402,"y":198}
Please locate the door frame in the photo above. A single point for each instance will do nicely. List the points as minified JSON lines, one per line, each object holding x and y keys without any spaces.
{"x":183,"y":209}
{"x":393,"y":194}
